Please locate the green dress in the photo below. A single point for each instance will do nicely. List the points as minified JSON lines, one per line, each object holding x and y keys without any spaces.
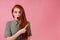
{"x":12,"y":28}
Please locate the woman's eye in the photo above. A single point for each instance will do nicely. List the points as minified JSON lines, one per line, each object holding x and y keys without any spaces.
{"x":19,"y":11}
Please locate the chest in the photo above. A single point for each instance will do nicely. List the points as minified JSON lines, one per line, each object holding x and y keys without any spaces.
{"x":14,"y":28}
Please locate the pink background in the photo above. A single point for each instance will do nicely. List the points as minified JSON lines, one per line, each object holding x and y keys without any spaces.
{"x":44,"y":16}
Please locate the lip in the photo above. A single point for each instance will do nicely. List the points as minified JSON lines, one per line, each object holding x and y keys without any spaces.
{"x":18,"y":18}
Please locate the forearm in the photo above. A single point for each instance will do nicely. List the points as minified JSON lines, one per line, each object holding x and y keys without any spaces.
{"x":13,"y":37}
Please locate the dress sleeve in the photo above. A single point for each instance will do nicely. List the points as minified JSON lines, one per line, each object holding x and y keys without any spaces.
{"x":7,"y":30}
{"x":29,"y":30}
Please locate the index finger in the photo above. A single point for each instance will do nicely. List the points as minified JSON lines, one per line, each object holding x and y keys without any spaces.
{"x":26,"y":25}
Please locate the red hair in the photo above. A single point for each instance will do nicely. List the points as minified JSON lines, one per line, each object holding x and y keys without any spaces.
{"x":22,"y":21}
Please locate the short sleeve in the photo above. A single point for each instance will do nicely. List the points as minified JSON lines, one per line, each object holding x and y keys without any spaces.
{"x":29,"y":30}
{"x":7,"y":30}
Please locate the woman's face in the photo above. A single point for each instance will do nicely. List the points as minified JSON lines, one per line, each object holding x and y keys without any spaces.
{"x":16,"y":12}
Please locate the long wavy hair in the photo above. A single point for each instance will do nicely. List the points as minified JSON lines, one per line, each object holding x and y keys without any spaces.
{"x":22,"y":20}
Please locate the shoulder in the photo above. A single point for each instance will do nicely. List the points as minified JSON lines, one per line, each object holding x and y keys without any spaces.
{"x":9,"y":22}
{"x":28,"y":22}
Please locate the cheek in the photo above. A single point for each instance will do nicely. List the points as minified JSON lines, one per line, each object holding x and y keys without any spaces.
{"x":14,"y":15}
{"x":19,"y":14}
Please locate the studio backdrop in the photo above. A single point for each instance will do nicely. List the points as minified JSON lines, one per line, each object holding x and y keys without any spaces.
{"x":44,"y":17}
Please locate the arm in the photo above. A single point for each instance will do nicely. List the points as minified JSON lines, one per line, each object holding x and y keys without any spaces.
{"x":29,"y":31}
{"x":13,"y":37}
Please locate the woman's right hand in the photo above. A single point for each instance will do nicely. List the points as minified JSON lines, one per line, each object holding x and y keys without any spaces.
{"x":23,"y":30}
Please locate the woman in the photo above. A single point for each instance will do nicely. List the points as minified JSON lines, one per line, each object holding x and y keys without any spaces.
{"x":19,"y":28}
